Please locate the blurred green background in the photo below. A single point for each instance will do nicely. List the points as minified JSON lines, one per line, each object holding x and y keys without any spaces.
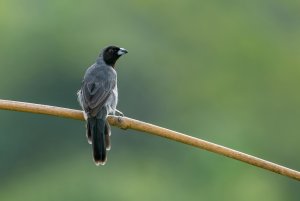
{"x":224,"y":71}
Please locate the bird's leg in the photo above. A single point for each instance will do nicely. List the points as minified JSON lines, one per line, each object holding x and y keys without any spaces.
{"x":119,"y":113}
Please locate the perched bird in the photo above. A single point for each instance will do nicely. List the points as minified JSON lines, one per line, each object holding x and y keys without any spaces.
{"x":98,"y":97}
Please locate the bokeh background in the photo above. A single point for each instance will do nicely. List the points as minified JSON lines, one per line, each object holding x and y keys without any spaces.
{"x":224,"y":71}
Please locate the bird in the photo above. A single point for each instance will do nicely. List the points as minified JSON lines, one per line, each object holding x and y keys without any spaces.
{"x":98,"y":97}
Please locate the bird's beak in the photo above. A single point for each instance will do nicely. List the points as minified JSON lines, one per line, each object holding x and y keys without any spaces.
{"x":122,"y":51}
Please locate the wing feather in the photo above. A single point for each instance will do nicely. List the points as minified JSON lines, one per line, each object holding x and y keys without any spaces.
{"x":96,"y":88}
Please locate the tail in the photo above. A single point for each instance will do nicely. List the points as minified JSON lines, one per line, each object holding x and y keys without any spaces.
{"x":96,"y":128}
{"x":107,"y":134}
{"x":88,"y":132}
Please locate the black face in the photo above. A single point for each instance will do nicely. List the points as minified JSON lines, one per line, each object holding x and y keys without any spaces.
{"x":111,"y":54}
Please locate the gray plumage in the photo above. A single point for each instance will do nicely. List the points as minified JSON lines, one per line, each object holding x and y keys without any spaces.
{"x":98,"y":97}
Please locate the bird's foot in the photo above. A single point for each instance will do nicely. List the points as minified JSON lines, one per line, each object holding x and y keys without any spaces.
{"x":119,"y":113}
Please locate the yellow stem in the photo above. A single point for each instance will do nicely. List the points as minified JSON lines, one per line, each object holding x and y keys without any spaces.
{"x":128,"y":123}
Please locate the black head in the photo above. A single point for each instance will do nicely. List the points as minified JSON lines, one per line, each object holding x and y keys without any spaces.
{"x":111,"y":54}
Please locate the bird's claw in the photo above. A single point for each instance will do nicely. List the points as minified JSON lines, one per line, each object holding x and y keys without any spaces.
{"x":119,"y":113}
{"x":122,"y":126}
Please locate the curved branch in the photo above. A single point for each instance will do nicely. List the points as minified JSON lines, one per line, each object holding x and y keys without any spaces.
{"x":128,"y":123}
